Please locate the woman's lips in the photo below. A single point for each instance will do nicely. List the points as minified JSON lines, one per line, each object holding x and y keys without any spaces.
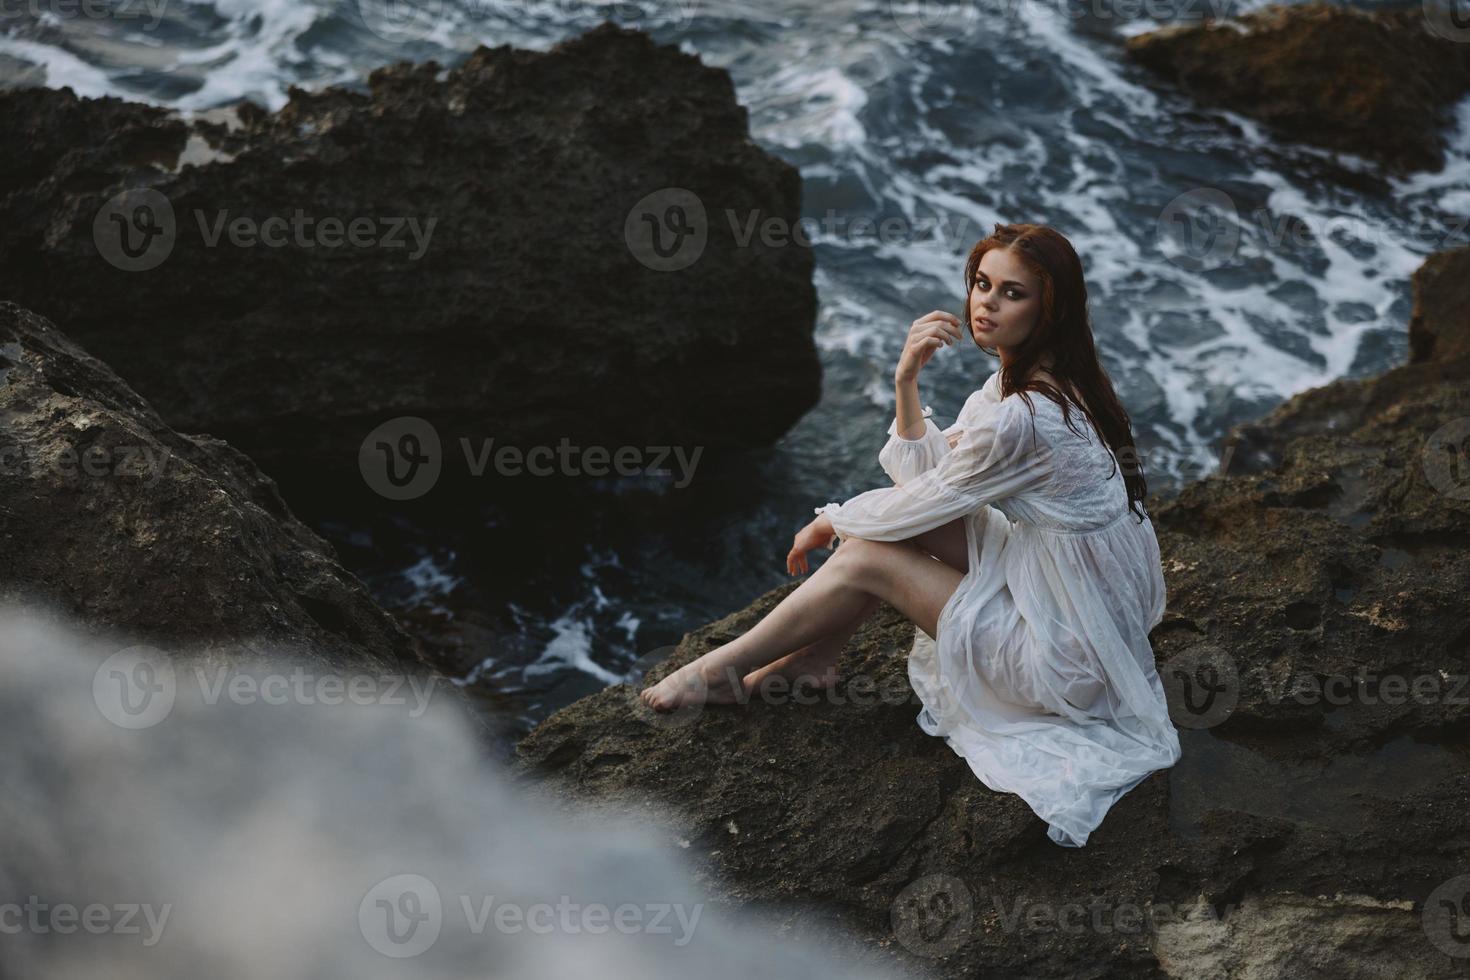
{"x":984,"y":323}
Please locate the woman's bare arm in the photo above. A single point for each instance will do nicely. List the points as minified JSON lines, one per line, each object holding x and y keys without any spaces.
{"x":909,"y":415}
{"x":926,"y":335}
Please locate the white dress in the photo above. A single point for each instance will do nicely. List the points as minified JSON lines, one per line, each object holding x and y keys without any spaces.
{"x":1042,"y":676}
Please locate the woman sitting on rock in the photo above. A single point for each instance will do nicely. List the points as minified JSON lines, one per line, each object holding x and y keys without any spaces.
{"x":1017,"y":543}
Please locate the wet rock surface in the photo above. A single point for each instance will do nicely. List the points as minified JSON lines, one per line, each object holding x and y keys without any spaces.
{"x":531,"y":247}
{"x":110,"y":516}
{"x":1378,"y":84}
{"x":1315,"y":653}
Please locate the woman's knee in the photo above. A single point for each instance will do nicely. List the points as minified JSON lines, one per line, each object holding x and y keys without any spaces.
{"x":857,"y":551}
{"x":866,"y":562}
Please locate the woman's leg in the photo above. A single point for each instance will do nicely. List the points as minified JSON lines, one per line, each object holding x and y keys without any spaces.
{"x":815,"y":663}
{"x":897,"y":572}
{"x":947,"y":543}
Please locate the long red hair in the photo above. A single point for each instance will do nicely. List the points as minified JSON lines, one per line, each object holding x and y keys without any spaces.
{"x":1064,"y":330}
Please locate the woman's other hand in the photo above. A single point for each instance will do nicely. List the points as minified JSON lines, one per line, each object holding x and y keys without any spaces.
{"x":926,"y":335}
{"x":818,"y":534}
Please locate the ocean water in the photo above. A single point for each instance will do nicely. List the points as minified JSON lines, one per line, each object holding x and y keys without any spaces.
{"x":1227,"y":270}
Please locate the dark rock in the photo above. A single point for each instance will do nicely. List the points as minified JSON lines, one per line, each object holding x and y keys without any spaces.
{"x":109,"y":516}
{"x":1378,"y":84}
{"x":1439,"y":332}
{"x":527,"y":318}
{"x":1300,"y":834}
{"x":1438,"y":328}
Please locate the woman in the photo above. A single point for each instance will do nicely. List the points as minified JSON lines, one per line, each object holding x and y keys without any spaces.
{"x":1031,"y":654}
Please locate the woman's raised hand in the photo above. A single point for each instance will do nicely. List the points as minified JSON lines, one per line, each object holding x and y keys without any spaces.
{"x":926,"y":335}
{"x":818,"y":534}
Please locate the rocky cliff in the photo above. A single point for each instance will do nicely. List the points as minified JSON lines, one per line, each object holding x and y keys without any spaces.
{"x":1316,"y":657}
{"x":133,"y":529}
{"x":1381,"y":84}
{"x":531,"y":246}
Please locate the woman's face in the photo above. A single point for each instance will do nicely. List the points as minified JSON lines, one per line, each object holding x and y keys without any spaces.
{"x":1004,"y":300}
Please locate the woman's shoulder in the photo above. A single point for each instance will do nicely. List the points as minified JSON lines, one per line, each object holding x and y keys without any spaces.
{"x":991,"y":388}
{"x":987,"y":401}
{"x":976,"y":406}
{"x":986,"y":409}
{"x":987,"y":394}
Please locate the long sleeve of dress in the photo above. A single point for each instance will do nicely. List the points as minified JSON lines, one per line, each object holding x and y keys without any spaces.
{"x":903,"y":459}
{"x":999,"y":455}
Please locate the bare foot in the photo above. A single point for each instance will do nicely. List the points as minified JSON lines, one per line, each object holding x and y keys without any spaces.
{"x":814,"y":669}
{"x":694,"y":683}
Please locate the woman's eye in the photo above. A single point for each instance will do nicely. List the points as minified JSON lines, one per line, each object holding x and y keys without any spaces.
{"x":1013,"y":293}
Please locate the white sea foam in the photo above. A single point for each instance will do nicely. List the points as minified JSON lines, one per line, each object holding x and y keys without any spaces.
{"x":431,"y":581}
{"x":62,"y":68}
{"x":570,"y":648}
